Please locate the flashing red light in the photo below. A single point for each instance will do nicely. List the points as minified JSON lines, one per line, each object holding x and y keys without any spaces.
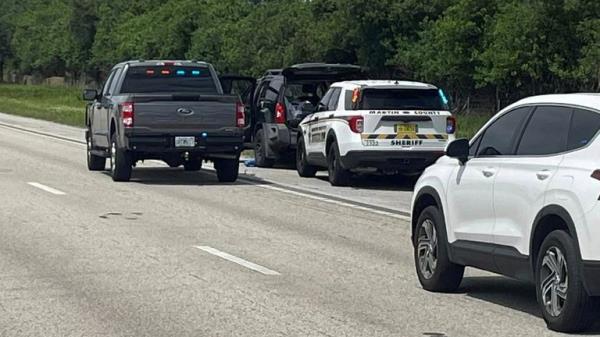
{"x":150,"y":72}
{"x":355,"y":95}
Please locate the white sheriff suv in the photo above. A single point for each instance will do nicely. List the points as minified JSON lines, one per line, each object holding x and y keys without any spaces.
{"x":520,"y":199}
{"x":389,"y":126}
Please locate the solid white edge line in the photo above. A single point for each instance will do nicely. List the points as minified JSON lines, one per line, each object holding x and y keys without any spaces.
{"x":336,"y":202}
{"x":238,"y":260}
{"x":324,"y":199}
{"x":46,"y":188}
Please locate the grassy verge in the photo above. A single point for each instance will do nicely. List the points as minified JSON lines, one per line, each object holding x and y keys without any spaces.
{"x":57,"y":104}
{"x":469,"y":125}
{"x":64,"y":105}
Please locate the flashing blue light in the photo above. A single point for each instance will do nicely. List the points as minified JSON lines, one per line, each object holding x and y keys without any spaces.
{"x":180,"y":72}
{"x":443,"y":96}
{"x":204,"y":134}
{"x":196,"y":72}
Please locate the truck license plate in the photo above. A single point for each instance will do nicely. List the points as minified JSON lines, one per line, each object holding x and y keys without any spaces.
{"x":185,"y":141}
{"x":406,"y":128}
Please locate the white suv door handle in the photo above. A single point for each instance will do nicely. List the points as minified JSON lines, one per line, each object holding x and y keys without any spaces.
{"x":543,"y":174}
{"x":488,"y":172}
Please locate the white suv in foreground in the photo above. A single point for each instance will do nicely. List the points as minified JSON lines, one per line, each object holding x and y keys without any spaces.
{"x":521,"y":199}
{"x":390,"y":126}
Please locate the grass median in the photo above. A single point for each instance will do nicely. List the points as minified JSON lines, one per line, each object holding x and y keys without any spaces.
{"x":57,"y":104}
{"x":64,"y":105}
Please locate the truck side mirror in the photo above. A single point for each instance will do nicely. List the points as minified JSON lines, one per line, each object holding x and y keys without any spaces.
{"x":90,"y":94}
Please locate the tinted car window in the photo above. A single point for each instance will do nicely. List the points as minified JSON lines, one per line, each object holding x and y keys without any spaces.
{"x":348,"y":99}
{"x":108,"y":83}
{"x":546,"y":132}
{"x":401,"y":99}
{"x":333,"y":102}
{"x":584,"y":126}
{"x":499,"y":138}
{"x":474,"y":146}
{"x":273,"y":90}
{"x":325,"y":100}
{"x":115,"y":81}
{"x":198,"y":80}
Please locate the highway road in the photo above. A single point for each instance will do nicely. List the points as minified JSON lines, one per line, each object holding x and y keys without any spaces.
{"x":173,"y":253}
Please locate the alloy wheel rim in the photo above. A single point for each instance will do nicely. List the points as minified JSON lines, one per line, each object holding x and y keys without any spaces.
{"x":427,"y":248}
{"x":554,"y":281}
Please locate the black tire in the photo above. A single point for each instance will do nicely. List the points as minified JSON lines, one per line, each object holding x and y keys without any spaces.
{"x":260,"y":153}
{"x":120,"y":161}
{"x":227,"y":170}
{"x":193,"y":165}
{"x":578,"y":310}
{"x":94,"y":162}
{"x":442,"y":275}
{"x":304,"y":169}
{"x":338,"y":176}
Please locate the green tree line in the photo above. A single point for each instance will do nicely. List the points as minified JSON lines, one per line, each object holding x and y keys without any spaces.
{"x":497,"y":49}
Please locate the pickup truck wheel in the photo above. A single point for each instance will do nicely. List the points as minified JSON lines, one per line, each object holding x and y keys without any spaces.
{"x":192,"y":165}
{"x":338,"y":176}
{"x":120,"y":161}
{"x":227,"y":170}
{"x":260,"y":153}
{"x":94,"y":162}
{"x":302,"y":166}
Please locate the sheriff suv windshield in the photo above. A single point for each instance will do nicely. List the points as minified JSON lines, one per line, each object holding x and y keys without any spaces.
{"x":401,"y":99}
{"x":160,"y":79}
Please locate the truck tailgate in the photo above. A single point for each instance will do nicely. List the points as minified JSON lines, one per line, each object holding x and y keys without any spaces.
{"x":165,"y":114}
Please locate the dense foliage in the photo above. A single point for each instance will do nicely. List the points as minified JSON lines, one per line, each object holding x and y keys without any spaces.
{"x":501,"y":49}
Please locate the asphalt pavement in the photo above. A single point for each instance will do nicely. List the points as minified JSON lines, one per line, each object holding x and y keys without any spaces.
{"x":176,"y":253}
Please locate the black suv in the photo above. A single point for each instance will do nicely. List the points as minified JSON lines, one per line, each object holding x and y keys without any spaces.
{"x":281,"y":99}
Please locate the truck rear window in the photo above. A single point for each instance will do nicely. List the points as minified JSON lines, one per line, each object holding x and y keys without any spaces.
{"x":401,"y":99}
{"x":139,"y":80}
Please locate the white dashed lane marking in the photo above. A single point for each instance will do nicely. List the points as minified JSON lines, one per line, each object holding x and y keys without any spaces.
{"x":46,"y":188}
{"x":238,"y":260}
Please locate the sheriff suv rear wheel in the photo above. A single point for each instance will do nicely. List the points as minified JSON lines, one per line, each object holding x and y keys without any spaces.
{"x":302,"y":166}
{"x":565,"y":304}
{"x":338,"y":176}
{"x":434,"y":269}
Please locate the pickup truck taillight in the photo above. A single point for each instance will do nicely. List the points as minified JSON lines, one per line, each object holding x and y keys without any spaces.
{"x":280,"y":113}
{"x":240,"y":115}
{"x":356,"y":124}
{"x":127,"y":112}
{"x":450,"y":125}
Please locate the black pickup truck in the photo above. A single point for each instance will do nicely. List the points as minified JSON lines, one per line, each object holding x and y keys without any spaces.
{"x":174,"y":111}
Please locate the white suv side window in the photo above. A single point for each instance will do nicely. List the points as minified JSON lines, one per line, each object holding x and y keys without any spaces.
{"x":500,"y":137}
{"x":546,"y":132}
